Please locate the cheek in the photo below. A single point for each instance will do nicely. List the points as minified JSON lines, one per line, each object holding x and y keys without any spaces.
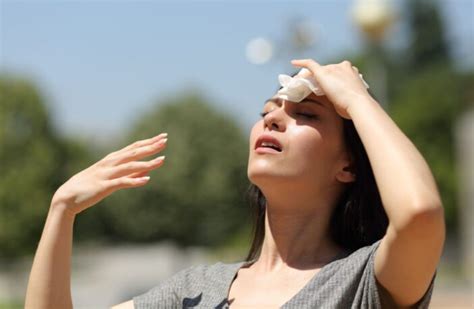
{"x":309,"y":152}
{"x":306,"y":141}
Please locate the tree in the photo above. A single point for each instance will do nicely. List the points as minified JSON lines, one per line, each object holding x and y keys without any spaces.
{"x":427,"y":95}
{"x":428,"y":40}
{"x":34,"y":162}
{"x":430,"y":98}
{"x":427,"y":110}
{"x":197,"y":196}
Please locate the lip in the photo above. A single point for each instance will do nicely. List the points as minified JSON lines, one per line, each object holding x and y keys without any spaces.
{"x":267,"y":138}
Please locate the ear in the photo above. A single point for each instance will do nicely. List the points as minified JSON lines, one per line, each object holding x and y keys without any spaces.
{"x":346,"y":174}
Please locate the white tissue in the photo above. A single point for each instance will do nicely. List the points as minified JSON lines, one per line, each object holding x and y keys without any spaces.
{"x":297,"y":88}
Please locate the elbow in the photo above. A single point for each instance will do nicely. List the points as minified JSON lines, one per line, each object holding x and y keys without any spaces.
{"x":424,"y":219}
{"x":421,"y":217}
{"x":428,"y":212}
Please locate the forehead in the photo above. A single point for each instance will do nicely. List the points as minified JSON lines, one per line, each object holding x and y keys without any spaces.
{"x":322,"y":101}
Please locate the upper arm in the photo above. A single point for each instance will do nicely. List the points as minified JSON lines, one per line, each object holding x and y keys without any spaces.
{"x":406,"y":259}
{"x":125,"y":305}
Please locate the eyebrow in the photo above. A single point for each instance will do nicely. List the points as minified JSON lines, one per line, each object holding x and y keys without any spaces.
{"x":277,"y":100}
{"x":314,"y":101}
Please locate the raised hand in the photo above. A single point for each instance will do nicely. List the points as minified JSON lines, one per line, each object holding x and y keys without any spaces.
{"x":117,"y":170}
{"x":340,"y":82}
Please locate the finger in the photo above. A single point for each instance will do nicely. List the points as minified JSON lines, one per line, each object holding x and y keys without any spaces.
{"x":139,"y":174}
{"x":310,"y":64}
{"x":134,"y":145}
{"x":144,"y":142}
{"x":140,"y":152}
{"x":129,"y":168}
{"x":355,"y":69}
{"x":346,"y":63}
{"x":126,"y":182}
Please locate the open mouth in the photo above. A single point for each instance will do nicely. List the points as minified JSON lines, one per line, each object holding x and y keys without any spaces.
{"x":269,"y":143}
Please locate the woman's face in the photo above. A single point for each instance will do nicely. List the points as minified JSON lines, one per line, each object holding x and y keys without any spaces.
{"x":310,"y":147}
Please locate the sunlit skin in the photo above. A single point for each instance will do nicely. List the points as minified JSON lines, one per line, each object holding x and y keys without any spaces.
{"x":311,"y":135}
{"x":301,"y":183}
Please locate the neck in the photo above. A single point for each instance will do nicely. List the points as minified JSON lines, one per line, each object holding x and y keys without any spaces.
{"x":296,"y":232}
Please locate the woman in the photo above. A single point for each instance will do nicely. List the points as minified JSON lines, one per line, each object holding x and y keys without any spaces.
{"x":307,"y":251}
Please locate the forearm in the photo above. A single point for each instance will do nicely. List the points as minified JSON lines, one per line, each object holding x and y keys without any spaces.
{"x":49,"y":283}
{"x":405,"y":182}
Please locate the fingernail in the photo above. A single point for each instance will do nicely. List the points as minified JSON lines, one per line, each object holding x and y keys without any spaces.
{"x":160,"y":142}
{"x":160,"y":158}
{"x":144,"y":178}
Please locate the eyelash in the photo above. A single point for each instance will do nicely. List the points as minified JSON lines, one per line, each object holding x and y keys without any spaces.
{"x":308,"y":116}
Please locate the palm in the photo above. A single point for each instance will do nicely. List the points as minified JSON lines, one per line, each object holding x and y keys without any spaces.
{"x":115,"y":171}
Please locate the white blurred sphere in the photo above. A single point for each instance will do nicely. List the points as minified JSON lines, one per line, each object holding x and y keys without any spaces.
{"x":373,"y":16}
{"x":259,"y":50}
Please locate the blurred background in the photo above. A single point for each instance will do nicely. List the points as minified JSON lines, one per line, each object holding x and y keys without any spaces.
{"x":80,"y":79}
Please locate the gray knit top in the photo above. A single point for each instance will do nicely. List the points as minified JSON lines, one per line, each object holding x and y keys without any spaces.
{"x":347,"y":282}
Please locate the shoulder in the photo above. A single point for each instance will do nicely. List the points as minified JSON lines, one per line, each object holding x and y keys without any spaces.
{"x":208,"y":271}
{"x":356,"y":260}
{"x":216,"y":268}
{"x":203,"y":274}
{"x":344,"y":283}
{"x":355,"y":275}
{"x":209,"y":274}
{"x":188,"y":284}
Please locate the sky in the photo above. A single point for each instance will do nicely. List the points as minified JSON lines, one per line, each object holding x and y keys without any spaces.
{"x":101,"y":64}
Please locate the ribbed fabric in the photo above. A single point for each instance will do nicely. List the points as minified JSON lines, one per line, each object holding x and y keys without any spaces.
{"x":348,"y":282}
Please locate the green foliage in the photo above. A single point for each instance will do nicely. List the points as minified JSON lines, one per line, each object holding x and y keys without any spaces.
{"x":427,"y":110}
{"x":428,"y":40}
{"x":429,"y":96}
{"x":33,"y":164}
{"x":197,"y":196}
{"x":11,"y":305}
{"x":426,"y":96}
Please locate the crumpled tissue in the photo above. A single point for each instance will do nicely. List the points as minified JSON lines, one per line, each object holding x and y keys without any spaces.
{"x":297,"y":88}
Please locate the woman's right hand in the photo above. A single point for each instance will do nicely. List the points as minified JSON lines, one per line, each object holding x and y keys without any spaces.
{"x":115,"y":171}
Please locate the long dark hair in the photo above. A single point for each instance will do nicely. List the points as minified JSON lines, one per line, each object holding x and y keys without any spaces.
{"x":358,"y":218}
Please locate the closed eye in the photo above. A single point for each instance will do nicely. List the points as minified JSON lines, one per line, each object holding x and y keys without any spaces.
{"x":305,"y":115}
{"x":309,"y":116}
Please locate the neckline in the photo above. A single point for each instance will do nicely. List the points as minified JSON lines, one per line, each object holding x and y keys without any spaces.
{"x":310,"y":282}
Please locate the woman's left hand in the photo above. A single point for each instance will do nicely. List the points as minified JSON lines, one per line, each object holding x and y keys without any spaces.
{"x":340,"y":83}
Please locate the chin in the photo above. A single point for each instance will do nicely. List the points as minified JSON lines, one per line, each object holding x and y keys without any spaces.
{"x":259,"y":175}
{"x":262,"y":177}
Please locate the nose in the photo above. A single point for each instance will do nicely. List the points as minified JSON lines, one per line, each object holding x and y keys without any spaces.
{"x":275,"y":119}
